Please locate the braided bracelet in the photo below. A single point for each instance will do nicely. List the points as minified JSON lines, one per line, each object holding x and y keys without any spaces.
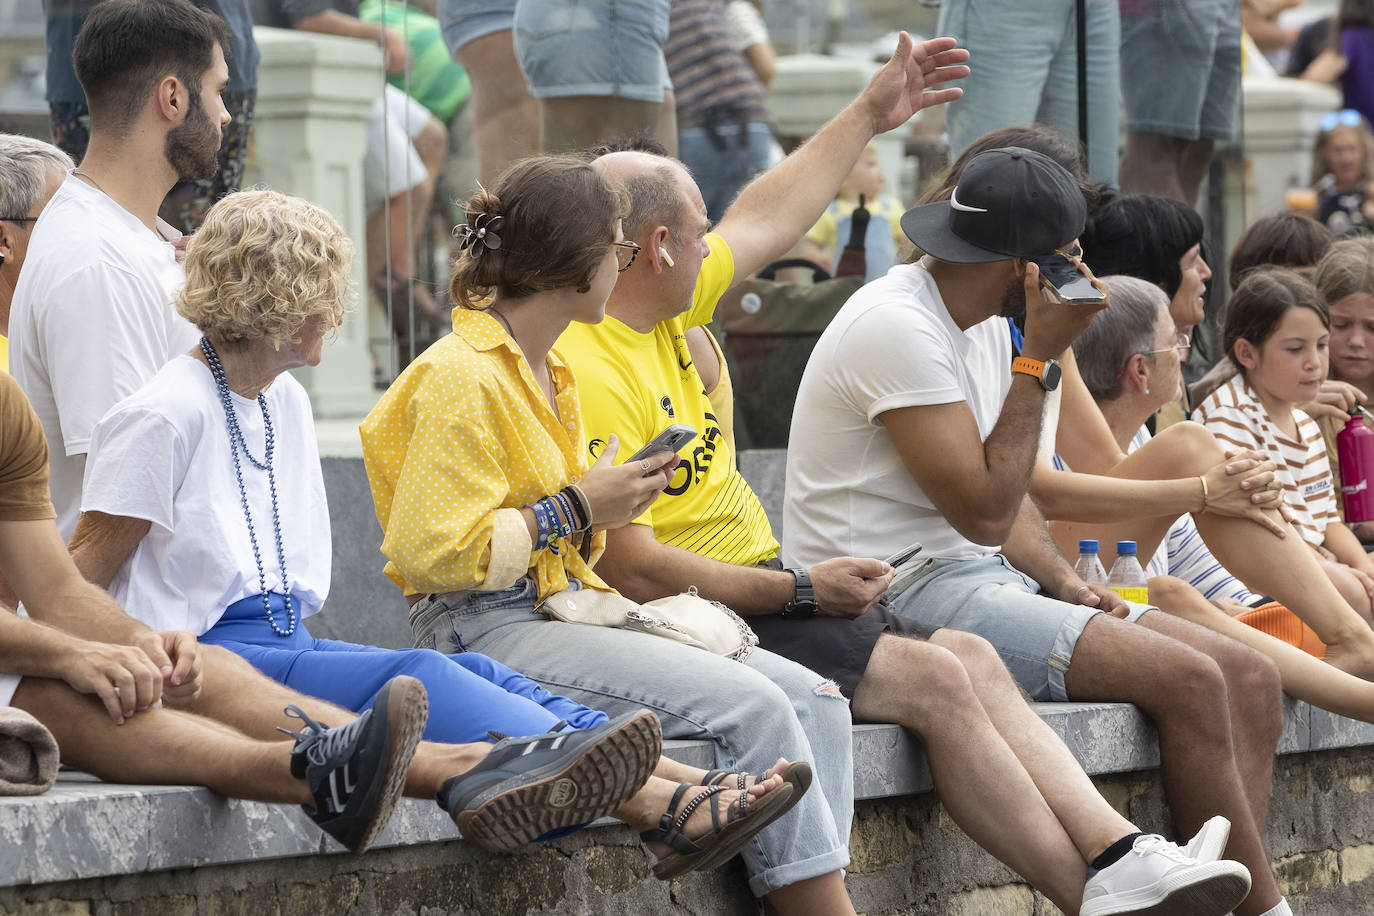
{"x":583,"y":503}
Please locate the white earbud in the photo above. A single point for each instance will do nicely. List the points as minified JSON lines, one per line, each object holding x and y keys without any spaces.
{"x":1147,"y":389}
{"x":667,"y":258}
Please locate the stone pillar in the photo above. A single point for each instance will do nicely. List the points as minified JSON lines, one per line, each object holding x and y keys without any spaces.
{"x":314,"y":96}
{"x":1280,"y":124}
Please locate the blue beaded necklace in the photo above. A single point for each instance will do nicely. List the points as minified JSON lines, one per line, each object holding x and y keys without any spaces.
{"x":236,"y":445}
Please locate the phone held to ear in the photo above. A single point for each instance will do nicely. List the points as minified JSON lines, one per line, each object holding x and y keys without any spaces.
{"x":1064,"y":283}
{"x":670,"y":440}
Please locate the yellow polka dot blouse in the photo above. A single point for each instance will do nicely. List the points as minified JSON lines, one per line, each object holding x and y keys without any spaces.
{"x":456,"y":447}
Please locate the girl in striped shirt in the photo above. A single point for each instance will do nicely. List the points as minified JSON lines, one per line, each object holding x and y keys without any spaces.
{"x":1276,"y":331}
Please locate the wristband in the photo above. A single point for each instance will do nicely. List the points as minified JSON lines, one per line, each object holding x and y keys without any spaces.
{"x":542,"y":522}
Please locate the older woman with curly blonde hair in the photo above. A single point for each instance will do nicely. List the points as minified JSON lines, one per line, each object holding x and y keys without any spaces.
{"x":205,"y":497}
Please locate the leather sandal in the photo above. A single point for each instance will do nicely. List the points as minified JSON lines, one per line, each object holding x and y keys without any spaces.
{"x":743,"y":819}
{"x":796,"y":774}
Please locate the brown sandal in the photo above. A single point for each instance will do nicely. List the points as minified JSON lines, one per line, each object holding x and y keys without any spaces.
{"x":743,"y":819}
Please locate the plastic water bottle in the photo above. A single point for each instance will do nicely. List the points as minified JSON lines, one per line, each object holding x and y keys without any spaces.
{"x":1355,"y":455}
{"x":1127,"y":578}
{"x":1089,"y":566}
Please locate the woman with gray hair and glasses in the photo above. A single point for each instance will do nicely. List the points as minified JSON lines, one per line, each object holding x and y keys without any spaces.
{"x":1129,"y":359}
{"x":30,"y":172}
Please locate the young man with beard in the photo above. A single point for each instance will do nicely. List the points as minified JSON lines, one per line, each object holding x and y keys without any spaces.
{"x":91,"y":320}
{"x":915,"y":422}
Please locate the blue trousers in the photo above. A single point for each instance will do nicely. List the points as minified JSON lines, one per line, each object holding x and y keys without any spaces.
{"x":469,"y":693}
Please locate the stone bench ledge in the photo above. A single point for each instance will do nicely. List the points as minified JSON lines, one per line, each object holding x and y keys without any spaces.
{"x":88,"y":829}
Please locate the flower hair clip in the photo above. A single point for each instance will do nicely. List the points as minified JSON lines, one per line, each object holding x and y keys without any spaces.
{"x":481,"y":234}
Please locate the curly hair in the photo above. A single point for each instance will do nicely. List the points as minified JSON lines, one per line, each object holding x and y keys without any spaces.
{"x":558,"y":217}
{"x":262,"y":265}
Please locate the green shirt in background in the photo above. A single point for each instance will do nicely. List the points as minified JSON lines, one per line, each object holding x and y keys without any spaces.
{"x":436,"y":80}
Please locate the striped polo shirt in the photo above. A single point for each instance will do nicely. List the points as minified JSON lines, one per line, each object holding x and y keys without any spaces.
{"x":1235,"y":416}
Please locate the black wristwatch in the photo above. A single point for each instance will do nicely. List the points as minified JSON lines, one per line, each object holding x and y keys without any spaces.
{"x":803,"y":603}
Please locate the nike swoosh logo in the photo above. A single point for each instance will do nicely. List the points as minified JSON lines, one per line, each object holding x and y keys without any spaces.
{"x":963,"y":208}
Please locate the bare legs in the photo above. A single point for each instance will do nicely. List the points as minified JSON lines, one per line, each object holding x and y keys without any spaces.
{"x":1283,"y":568}
{"x":504,"y":113}
{"x":1303,"y":676}
{"x":161,"y":746}
{"x":1211,"y":758}
{"x":576,"y":122}
{"x":1002,"y":774}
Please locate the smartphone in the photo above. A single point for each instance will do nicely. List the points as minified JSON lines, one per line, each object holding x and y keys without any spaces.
{"x":901,"y":556}
{"x":1062,"y":280}
{"x":670,"y":440}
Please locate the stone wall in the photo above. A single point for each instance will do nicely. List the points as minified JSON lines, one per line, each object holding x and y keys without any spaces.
{"x":908,"y":859}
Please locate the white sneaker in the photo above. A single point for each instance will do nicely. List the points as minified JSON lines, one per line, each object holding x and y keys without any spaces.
{"x":1156,"y":879}
{"x":1210,"y":841}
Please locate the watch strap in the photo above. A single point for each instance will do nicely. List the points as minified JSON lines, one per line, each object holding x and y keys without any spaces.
{"x":1027,"y":366}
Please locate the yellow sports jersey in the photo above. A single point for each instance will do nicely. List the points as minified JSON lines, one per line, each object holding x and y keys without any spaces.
{"x":635,"y":385}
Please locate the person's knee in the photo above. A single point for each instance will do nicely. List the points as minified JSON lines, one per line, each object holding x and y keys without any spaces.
{"x":1167,"y":592}
{"x":1192,"y":678}
{"x":978,"y":656}
{"x":912,"y":683}
{"x":1193,"y":445}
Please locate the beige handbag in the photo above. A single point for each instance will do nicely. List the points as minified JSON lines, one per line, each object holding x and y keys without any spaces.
{"x":686,"y":618}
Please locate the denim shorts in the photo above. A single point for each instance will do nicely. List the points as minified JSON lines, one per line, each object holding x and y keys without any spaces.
{"x":593,"y":47}
{"x":1034,"y":634}
{"x":1180,"y":67}
{"x":463,"y":21}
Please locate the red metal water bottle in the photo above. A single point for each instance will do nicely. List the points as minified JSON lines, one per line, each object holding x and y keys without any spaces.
{"x":1355,"y":452}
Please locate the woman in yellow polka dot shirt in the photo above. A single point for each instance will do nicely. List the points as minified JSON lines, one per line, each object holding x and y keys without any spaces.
{"x":476,"y":461}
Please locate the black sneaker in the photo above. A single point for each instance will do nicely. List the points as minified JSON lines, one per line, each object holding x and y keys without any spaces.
{"x":356,"y":771}
{"x":546,"y":785}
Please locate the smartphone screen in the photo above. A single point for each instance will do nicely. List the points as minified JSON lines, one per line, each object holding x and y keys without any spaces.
{"x":1060,"y":274}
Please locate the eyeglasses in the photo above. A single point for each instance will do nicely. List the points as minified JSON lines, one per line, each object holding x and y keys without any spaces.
{"x":620,"y":254}
{"x":1182,"y":343}
{"x":18,"y":219}
{"x":1346,"y":117}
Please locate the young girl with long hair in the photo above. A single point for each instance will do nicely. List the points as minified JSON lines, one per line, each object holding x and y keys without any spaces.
{"x":1276,"y":332}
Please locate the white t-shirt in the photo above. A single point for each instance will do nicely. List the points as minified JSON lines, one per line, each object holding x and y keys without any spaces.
{"x":91,"y":322}
{"x":163,"y":455}
{"x":893,"y":345}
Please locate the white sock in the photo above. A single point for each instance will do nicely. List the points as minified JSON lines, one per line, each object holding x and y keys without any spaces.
{"x":1279,"y":909}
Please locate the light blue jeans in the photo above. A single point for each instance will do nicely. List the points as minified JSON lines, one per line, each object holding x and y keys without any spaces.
{"x":1025,"y":70}
{"x":753,"y":712}
{"x":1033,"y":633}
{"x":723,"y":158}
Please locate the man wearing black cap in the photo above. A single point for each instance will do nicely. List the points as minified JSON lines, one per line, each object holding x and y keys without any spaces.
{"x":916,"y":422}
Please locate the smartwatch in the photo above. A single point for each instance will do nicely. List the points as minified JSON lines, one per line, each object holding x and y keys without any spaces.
{"x":1046,"y":372}
{"x":803,"y":603}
